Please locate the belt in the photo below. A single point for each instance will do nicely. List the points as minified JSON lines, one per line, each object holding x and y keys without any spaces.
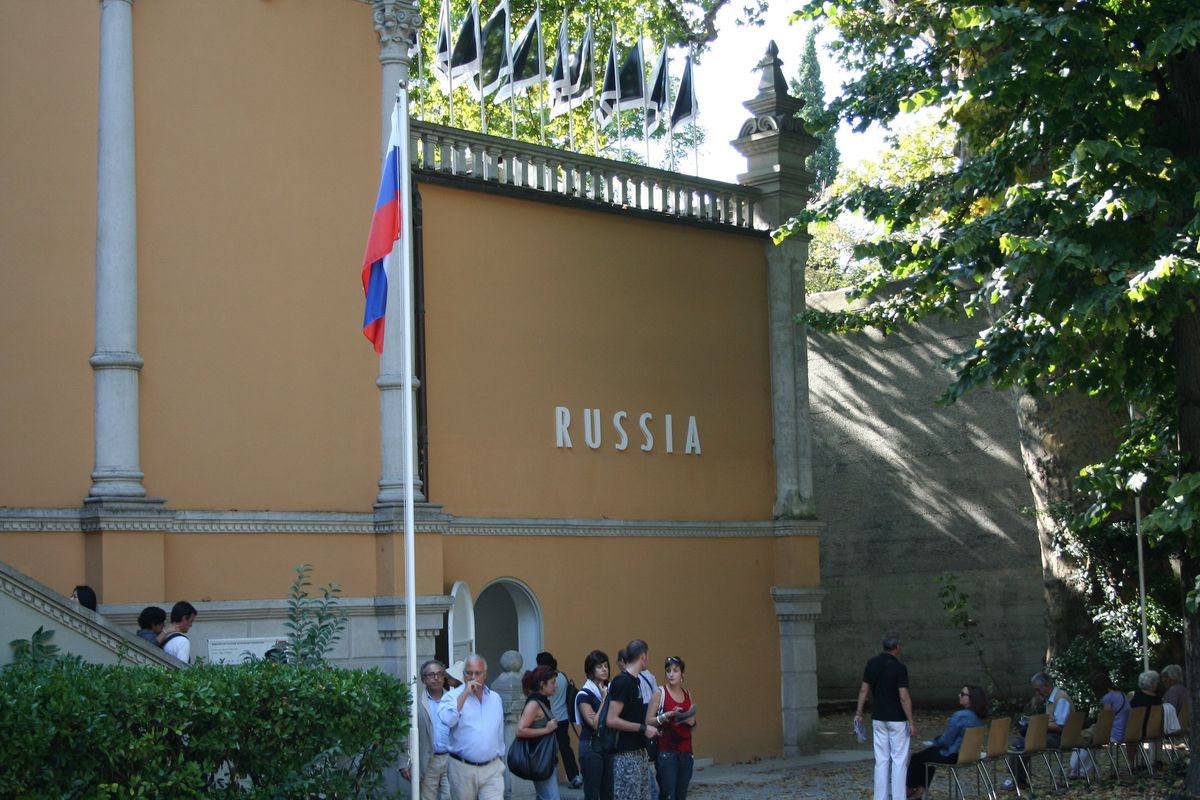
{"x":457,"y":757}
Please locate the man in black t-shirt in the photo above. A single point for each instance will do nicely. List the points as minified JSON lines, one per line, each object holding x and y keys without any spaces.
{"x":886,"y":680}
{"x":627,"y":714}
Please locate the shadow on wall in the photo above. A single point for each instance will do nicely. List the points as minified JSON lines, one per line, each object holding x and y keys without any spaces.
{"x":911,"y":490}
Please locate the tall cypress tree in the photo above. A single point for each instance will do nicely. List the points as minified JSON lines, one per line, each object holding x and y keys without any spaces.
{"x":808,"y":87}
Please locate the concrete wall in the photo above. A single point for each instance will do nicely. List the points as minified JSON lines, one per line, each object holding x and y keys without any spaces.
{"x":911,"y":490}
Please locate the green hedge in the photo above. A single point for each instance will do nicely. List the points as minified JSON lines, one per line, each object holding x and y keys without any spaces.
{"x":256,"y":730}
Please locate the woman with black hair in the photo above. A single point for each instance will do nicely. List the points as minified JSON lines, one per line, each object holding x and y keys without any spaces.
{"x":536,"y":720}
{"x":972,"y":713}
{"x":596,"y":783}
{"x":85,"y":596}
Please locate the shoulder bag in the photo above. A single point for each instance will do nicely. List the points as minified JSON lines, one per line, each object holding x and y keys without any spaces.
{"x":533,"y":759}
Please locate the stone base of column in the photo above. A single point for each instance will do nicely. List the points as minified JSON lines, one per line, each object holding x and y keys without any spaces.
{"x":120,"y":507}
{"x":389,"y":516}
{"x":797,"y":609}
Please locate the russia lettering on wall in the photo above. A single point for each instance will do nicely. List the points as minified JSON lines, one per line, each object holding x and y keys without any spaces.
{"x":593,"y":434}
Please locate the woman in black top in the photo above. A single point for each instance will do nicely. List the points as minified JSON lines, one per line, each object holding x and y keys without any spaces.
{"x":596,"y":770}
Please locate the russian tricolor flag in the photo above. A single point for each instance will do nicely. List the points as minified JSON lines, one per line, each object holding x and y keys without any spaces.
{"x":385,"y":231}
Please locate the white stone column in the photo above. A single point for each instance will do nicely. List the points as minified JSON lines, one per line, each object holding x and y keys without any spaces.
{"x":117,"y":474}
{"x":508,"y":686}
{"x":395,"y":21}
{"x":797,"y":610}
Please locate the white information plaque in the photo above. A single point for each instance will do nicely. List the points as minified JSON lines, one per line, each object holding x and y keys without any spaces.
{"x":234,"y":651}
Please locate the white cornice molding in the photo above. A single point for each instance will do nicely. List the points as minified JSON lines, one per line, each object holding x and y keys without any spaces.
{"x":430,"y":519}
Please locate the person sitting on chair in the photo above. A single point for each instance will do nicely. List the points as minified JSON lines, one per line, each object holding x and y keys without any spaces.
{"x":972,"y":713}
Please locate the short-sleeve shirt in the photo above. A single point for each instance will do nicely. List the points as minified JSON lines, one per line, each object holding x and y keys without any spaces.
{"x":625,"y":690}
{"x":886,"y":676}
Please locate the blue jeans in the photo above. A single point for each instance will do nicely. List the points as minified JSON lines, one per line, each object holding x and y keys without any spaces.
{"x":597,"y":774}
{"x":674,"y":775}
{"x":547,"y":789}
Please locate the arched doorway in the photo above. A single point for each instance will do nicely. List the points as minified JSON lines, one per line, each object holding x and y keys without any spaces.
{"x":507,"y":617}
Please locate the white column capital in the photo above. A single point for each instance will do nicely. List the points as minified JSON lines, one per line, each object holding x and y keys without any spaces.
{"x":395,"y":21}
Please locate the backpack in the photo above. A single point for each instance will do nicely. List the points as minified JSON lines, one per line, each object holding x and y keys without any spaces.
{"x":605,"y":740}
{"x":572,"y":694}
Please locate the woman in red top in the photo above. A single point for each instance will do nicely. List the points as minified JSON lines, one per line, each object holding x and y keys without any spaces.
{"x":672,"y":710}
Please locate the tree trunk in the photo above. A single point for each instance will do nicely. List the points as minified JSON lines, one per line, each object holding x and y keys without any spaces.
{"x":1059,"y":435}
{"x":1187,"y":387}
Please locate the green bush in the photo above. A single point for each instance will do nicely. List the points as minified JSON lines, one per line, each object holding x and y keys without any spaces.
{"x":254,"y":730}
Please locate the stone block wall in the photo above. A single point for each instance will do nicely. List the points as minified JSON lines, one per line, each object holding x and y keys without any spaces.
{"x":911,"y":490}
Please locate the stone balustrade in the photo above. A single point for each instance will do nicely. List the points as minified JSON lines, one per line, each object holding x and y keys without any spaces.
{"x":440,"y":149}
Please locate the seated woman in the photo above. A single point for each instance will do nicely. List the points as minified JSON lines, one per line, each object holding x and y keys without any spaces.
{"x":944,"y":749}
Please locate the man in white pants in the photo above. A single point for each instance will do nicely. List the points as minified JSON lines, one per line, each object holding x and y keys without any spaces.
{"x":886,"y":680}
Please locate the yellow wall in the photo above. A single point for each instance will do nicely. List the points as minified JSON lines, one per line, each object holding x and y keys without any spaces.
{"x":531,"y":306}
{"x":47,"y":250}
{"x":258,"y":390}
{"x":660,"y":590}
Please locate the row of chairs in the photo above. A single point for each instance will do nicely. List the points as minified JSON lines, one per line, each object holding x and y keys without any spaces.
{"x":985,"y":758}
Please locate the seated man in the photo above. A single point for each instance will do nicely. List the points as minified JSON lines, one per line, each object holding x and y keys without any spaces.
{"x":1171,"y":679}
{"x":1058,"y":708}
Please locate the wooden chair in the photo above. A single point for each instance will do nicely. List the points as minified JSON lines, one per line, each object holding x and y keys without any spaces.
{"x":970,"y":757}
{"x":1035,"y":745}
{"x":1101,"y":736}
{"x":1148,"y":745}
{"x":1133,"y":735}
{"x":1071,"y":740}
{"x":997,"y":751}
{"x":1180,"y":737}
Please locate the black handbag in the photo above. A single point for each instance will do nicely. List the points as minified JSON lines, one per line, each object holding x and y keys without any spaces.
{"x":533,"y":759}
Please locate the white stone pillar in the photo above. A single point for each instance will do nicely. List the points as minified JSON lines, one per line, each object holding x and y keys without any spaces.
{"x":797,"y":610}
{"x":512,"y":697}
{"x":117,"y":474}
{"x":395,"y":21}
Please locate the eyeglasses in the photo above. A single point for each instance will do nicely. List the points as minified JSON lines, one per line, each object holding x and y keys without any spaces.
{"x":964,"y":694}
{"x":428,"y":675}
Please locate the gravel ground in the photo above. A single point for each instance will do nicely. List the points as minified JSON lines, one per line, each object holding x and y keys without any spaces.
{"x":842,"y":770}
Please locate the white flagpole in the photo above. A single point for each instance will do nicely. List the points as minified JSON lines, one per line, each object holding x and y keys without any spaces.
{"x":645,"y":103}
{"x":542,"y":77}
{"x":406,"y":284}
{"x":564,"y":56}
{"x":595,"y":121}
{"x":449,"y":60}
{"x":616,"y":56}
{"x":512,"y":97}
{"x":667,"y":108}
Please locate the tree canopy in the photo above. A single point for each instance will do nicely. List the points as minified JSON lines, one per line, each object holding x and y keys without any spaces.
{"x":1068,"y":225}
{"x":809,"y":87}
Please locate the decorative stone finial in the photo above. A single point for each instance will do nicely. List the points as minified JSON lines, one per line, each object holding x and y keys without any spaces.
{"x":773,"y":108}
{"x":511,"y":661}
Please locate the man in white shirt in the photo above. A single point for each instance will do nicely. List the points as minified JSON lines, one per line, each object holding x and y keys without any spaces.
{"x":183,"y":614}
{"x":434,"y":745}
{"x":1058,"y":710}
{"x":474,"y":716}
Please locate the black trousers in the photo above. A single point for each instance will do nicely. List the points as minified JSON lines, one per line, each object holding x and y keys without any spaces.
{"x":917,"y":762}
{"x":563,"y":732}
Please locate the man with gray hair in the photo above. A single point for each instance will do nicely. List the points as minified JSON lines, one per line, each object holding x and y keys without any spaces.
{"x":434,"y":746}
{"x":885,"y":679}
{"x":475,"y":717}
{"x":1058,"y":709}
{"x":1176,"y":693}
